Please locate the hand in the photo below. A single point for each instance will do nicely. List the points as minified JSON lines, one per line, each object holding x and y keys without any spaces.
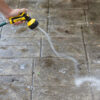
{"x":16,"y":12}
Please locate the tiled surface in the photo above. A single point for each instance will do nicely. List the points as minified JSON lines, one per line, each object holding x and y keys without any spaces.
{"x":15,"y":87}
{"x":31,"y":70}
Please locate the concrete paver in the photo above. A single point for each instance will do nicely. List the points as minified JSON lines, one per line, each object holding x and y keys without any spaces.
{"x":35,"y":8}
{"x":93,"y":53}
{"x":69,"y":4}
{"x":62,"y":45}
{"x":91,"y":34}
{"x":19,"y":51}
{"x":22,"y":66}
{"x":61,"y":93}
{"x":65,"y":30}
{"x":94,"y":12}
{"x":15,"y":41}
{"x":57,"y":72}
{"x":71,"y":16}
{"x":15,"y":87}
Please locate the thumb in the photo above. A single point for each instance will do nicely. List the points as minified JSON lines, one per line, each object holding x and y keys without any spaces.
{"x":22,"y":10}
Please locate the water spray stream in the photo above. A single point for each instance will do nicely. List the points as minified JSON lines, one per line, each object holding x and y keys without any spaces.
{"x":60,"y":54}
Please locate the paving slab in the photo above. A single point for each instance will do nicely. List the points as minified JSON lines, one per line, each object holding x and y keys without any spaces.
{"x":93,"y":52}
{"x":61,"y":93}
{"x":57,"y":79}
{"x":15,"y":87}
{"x":57,"y":71}
{"x":94,"y":79}
{"x":68,"y":4}
{"x":21,"y":66}
{"x":94,"y":12}
{"x":72,"y":16}
{"x":35,"y":8}
{"x":17,"y":41}
{"x":63,"y":46}
{"x":92,"y":41}
{"x":19,"y":51}
{"x":73,"y":31}
{"x":91,"y":34}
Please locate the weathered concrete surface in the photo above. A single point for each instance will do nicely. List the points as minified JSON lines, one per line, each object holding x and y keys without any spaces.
{"x":74,"y":17}
{"x":35,"y":8}
{"x":64,"y":45}
{"x":69,"y":4}
{"x":61,"y":93}
{"x":57,"y":72}
{"x":29,"y":68}
{"x":94,"y":12}
{"x":15,"y":87}
{"x":16,"y":66}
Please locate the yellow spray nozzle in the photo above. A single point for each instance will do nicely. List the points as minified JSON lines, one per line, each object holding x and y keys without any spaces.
{"x":31,"y":23}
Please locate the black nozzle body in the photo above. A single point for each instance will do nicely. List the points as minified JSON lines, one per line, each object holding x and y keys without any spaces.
{"x":33,"y":24}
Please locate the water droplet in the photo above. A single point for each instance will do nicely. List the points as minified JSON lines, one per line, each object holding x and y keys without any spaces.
{"x":23,"y":66}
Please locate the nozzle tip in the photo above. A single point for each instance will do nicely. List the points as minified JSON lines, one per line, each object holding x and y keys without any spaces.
{"x":34,"y":25}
